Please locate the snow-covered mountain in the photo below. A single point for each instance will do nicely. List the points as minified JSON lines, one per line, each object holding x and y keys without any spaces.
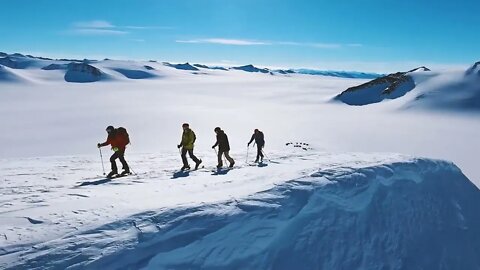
{"x":41,"y":69}
{"x":391,"y":86}
{"x":252,"y":68}
{"x":337,"y":199}
{"x":340,"y":74}
{"x":474,"y":70}
{"x":210,"y":67}
{"x":421,"y":88}
{"x":299,"y":210}
{"x":185,"y":66}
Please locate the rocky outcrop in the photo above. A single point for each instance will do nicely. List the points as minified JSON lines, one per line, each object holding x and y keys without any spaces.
{"x":251,"y":68}
{"x":82,"y":73}
{"x":390,"y":86}
{"x":185,"y":66}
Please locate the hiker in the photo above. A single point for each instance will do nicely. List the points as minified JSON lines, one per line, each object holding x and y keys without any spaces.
{"x":223,"y":147}
{"x":188,"y":139}
{"x":260,"y":141}
{"x":118,"y":139}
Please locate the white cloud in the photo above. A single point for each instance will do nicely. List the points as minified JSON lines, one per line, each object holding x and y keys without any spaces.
{"x":94,"y":24}
{"x":132,"y":27}
{"x":246,"y":42}
{"x":102,"y":27}
{"x":98,"y":32}
{"x":225,"y":41}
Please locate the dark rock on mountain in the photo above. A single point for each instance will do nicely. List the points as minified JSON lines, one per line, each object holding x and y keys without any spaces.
{"x":252,"y":68}
{"x":390,"y":86}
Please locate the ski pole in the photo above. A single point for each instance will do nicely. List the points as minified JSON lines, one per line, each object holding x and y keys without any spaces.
{"x":248,"y":148}
{"x":134,"y":173}
{"x":265,"y":154}
{"x":101,"y":158}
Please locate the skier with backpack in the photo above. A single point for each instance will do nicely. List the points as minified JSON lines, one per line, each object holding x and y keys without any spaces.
{"x":118,"y":139}
{"x":260,"y":141}
{"x":223,"y":147}
{"x":187,"y":143}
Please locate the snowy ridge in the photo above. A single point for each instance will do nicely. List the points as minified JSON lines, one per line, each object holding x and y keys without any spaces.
{"x":348,"y":211}
{"x":41,"y":69}
{"x":475,"y":69}
{"x":341,"y":74}
{"x":391,"y":86}
{"x":420,"y":88}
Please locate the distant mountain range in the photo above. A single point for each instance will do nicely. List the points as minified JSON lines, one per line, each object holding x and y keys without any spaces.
{"x":16,"y":67}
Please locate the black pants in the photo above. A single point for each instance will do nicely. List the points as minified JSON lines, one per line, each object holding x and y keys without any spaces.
{"x":190,"y":153}
{"x":259,"y":151}
{"x":120,"y":155}
{"x":227,"y":156}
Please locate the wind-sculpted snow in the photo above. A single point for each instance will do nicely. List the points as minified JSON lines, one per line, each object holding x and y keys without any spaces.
{"x":136,"y":74}
{"x":7,"y":75}
{"x":350,"y":211}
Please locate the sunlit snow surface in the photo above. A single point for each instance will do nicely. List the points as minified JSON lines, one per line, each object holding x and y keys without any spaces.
{"x":326,"y":208}
{"x":301,"y":209}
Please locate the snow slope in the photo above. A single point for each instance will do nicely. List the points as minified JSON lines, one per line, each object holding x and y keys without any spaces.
{"x":70,"y":118}
{"x":421,"y":88}
{"x":301,"y":210}
{"x":87,"y":71}
{"x":7,"y":75}
{"x":323,"y":209}
{"x":391,"y":86}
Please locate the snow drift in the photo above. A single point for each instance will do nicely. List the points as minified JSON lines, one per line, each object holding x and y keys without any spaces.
{"x":136,"y":73}
{"x":392,"y":213}
{"x":413,"y":215}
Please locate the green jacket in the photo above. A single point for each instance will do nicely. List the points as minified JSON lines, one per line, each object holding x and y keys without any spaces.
{"x":188,"y":138}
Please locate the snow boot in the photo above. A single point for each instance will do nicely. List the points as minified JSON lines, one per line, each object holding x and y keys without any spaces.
{"x":185,"y":168}
{"x":125,"y":172}
{"x":231,"y":164}
{"x":198,"y":164}
{"x":111,"y":174}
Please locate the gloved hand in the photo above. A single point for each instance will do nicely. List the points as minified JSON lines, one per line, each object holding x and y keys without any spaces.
{"x":99,"y":145}
{"x":248,"y":144}
{"x":179,"y":146}
{"x":213,"y":147}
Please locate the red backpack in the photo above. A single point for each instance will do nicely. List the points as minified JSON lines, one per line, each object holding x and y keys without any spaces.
{"x":123,"y":135}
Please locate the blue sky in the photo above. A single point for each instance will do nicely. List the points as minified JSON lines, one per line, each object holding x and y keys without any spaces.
{"x":375,"y":35}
